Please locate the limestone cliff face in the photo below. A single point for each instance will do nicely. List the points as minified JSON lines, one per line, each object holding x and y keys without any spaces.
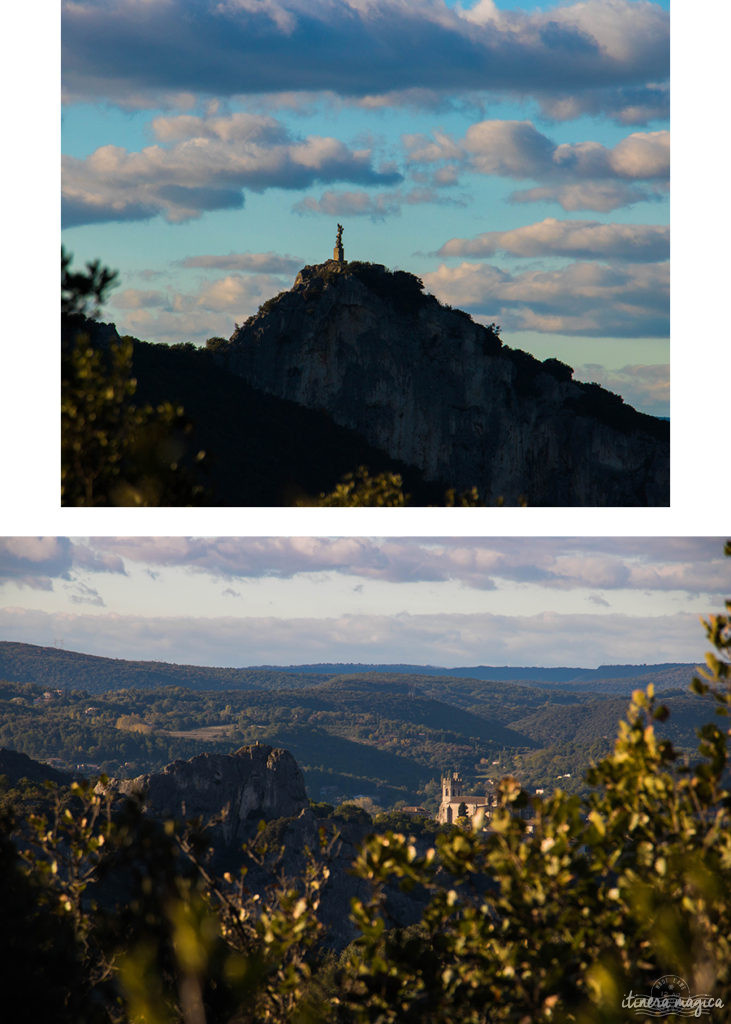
{"x":437,"y":390}
{"x":236,"y":789}
{"x":232,"y":793}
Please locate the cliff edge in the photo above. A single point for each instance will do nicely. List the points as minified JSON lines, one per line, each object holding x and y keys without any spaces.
{"x":235,"y":790}
{"x":433,"y":388}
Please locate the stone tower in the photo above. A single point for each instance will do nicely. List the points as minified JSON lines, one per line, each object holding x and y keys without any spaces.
{"x":338,"y":251}
{"x":451,"y":787}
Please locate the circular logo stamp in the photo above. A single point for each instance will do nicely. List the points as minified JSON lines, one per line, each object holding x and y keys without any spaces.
{"x":670,"y":986}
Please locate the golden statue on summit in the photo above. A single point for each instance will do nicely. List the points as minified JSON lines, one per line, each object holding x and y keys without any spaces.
{"x":338,"y":251}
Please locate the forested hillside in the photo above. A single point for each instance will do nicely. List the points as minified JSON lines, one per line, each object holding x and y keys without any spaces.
{"x":385,"y":736}
{"x":53,"y":667}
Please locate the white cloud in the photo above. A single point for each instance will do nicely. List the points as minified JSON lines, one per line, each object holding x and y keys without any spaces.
{"x":204,"y":163}
{"x":236,"y":293}
{"x":642,"y":155}
{"x":137,"y":298}
{"x":692,"y":565}
{"x":211,"y":309}
{"x":587,"y":195}
{"x":627,"y":105}
{"x":583,"y":298}
{"x":579,"y":239}
{"x":477,"y":562}
{"x":581,"y":175}
{"x":36,"y":561}
{"x":247,"y":262}
{"x":645,"y":387}
{"x":512,"y":149}
{"x":377,"y":206}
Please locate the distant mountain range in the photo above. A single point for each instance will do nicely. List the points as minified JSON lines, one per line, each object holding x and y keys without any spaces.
{"x":384,"y":730}
{"x":56,"y":668}
{"x":545,"y":676}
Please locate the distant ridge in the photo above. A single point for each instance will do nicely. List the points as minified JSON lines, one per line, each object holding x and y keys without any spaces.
{"x":56,"y":668}
{"x":562,"y":675}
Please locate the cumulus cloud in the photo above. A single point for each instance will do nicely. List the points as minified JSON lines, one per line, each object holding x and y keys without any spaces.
{"x":377,"y":206}
{"x":578,"y":239}
{"x":362,"y":48}
{"x":587,"y":195}
{"x":645,"y":387}
{"x":630,"y":105}
{"x":589,"y":299}
{"x":36,"y":562}
{"x":692,"y":564}
{"x":139,"y":298}
{"x":204,"y":163}
{"x":210,"y":309}
{"x":247,"y":262}
{"x":582,"y":175}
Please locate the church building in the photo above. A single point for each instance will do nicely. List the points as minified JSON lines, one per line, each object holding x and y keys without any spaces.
{"x":456,"y":803}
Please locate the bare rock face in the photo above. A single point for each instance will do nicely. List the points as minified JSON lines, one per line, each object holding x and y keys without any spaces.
{"x":238,"y":790}
{"x":435,"y":389}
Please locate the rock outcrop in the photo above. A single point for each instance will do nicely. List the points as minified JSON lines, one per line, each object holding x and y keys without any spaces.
{"x":235,"y":791}
{"x":232,"y":794}
{"x":433,"y":388}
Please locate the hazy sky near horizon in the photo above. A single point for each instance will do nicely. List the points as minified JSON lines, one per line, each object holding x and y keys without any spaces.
{"x":513,"y":155}
{"x":286,"y":600}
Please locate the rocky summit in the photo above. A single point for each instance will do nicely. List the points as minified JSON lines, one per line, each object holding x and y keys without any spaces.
{"x":433,"y":388}
{"x":236,"y":791}
{"x":232,"y":794}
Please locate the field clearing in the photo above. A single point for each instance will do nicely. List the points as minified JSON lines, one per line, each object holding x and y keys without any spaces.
{"x":205,"y":732}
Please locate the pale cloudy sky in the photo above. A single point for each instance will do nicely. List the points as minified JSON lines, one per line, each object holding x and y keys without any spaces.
{"x":457,"y":601}
{"x":514,"y":153}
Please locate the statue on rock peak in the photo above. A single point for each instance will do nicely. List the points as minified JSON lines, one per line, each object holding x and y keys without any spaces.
{"x":338,"y":251}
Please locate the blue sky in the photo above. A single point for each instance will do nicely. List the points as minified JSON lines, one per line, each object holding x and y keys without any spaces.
{"x":514,"y":156}
{"x":447,"y":601}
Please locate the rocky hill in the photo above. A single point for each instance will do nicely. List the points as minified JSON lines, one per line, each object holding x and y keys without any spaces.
{"x":431,"y":387}
{"x":232,"y":793}
{"x":235,"y":791}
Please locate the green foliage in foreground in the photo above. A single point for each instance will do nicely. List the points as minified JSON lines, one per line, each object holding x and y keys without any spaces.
{"x":560,"y":921}
{"x":386,"y":489}
{"x":113,"y":450}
